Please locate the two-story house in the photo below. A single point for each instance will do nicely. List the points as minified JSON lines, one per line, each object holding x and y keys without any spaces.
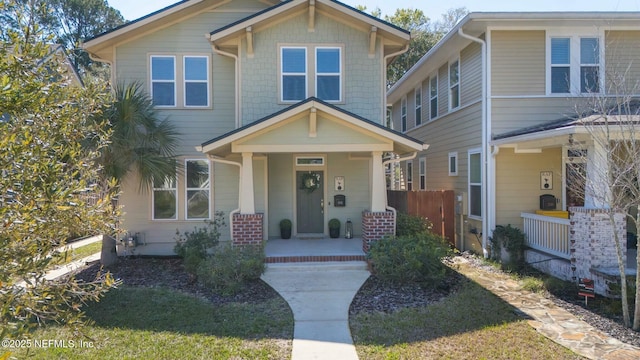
{"x":281,"y":106}
{"x":499,"y":100}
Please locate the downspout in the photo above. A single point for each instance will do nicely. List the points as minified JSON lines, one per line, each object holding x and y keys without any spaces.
{"x":112,"y":73}
{"x":235,"y":211}
{"x":488,"y":188}
{"x":237,"y":73}
{"x":386,"y":200}
{"x":384,"y":77}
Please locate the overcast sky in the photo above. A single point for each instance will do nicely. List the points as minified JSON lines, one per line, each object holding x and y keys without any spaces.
{"x":133,"y":9}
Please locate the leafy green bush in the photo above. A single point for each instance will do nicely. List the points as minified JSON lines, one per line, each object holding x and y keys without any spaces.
{"x":194,"y":247}
{"x":409,"y":225}
{"x":511,"y":239}
{"x":410,"y":259}
{"x":231,"y":267}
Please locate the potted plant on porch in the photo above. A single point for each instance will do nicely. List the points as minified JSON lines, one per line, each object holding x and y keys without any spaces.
{"x":285,"y":229}
{"x":334,"y":228}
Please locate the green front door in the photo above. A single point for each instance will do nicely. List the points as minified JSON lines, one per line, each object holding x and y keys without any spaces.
{"x":310,"y":202}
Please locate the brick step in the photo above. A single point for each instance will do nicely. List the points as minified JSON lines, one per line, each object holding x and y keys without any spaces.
{"x":313,"y":258}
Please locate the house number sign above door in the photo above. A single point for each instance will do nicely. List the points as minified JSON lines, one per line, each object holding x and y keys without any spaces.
{"x":546,"y":180}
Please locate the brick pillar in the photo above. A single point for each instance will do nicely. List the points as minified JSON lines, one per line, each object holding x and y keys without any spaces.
{"x":375,"y":226}
{"x":591,"y":242}
{"x":247,"y":229}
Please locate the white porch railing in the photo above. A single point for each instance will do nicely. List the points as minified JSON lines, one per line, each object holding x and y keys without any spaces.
{"x":547,"y":234}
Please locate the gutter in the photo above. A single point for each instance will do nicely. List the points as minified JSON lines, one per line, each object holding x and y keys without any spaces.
{"x":237,"y":210}
{"x":488,"y":168}
{"x":384,"y":79}
{"x":237,"y":73}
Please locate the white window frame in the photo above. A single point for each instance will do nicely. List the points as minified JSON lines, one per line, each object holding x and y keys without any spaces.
{"x":472,"y":152}
{"x":187,"y":189}
{"x":422,"y":176}
{"x":185,"y":81}
{"x":339,"y":74}
{"x":153,"y":200}
{"x":590,"y":65}
{"x":453,"y":156}
{"x":283,"y":73}
{"x":174,"y":81}
{"x":418,"y":105}
{"x":409,"y":175}
{"x":454,"y":85}
{"x":433,"y":96}
{"x":403,"y":114}
{"x":574,"y":67}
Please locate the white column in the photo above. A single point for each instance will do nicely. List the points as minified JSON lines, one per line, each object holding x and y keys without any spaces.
{"x":597,"y":192}
{"x":247,"y":202}
{"x":378,"y":188}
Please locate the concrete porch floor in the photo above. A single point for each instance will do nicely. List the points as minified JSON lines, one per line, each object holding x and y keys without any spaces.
{"x":314,"y":250}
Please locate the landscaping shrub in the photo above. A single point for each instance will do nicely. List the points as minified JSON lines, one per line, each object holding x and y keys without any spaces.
{"x":409,"y":225}
{"x":410,"y":259}
{"x":513,"y":241}
{"x":229,"y":268}
{"x":194,"y":247}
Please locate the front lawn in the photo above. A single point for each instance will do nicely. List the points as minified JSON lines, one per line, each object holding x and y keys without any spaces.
{"x":161,"y":313}
{"x":471,"y":323}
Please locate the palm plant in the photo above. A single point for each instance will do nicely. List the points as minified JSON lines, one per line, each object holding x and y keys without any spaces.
{"x":141,"y":142}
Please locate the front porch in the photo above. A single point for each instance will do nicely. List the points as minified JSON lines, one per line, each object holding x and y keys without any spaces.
{"x":302,"y":249}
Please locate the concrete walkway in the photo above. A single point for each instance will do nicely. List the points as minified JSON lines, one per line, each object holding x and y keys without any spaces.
{"x":549,"y":319}
{"x":319,"y":295}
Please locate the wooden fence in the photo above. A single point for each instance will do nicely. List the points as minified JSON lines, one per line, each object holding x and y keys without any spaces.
{"x":437,"y":206}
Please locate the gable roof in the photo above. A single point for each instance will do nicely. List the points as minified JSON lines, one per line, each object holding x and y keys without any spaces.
{"x":404,"y":141}
{"x":292,"y":6}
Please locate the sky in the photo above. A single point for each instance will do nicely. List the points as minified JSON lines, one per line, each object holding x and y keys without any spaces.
{"x":133,"y":9}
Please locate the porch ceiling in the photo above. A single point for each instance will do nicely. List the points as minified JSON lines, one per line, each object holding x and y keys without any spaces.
{"x":311,"y":126}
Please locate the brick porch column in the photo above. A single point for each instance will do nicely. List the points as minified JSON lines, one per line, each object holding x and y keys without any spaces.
{"x":375,"y":226}
{"x":591,"y":242}
{"x":247,"y":229}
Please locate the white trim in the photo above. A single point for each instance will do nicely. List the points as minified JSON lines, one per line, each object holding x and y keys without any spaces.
{"x":417,"y":96}
{"x":403,"y":114}
{"x":470,"y":152}
{"x":433,"y":97}
{"x":452,"y":85}
{"x":174,"y":81}
{"x":574,"y":35}
{"x":340,"y":74}
{"x":153,"y":192}
{"x":283,"y":73}
{"x":409,"y":175}
{"x":207,"y":81}
{"x":453,"y":155}
{"x":187,"y":189}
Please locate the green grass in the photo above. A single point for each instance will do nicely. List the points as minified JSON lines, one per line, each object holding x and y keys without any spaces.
{"x":159,"y":323}
{"x":70,"y":255}
{"x":470,"y":324}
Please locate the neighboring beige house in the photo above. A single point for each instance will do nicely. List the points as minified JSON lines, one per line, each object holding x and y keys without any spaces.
{"x":496,"y":100}
{"x":281,"y":106}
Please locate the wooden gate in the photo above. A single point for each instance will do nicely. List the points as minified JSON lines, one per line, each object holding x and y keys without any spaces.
{"x":437,"y":206}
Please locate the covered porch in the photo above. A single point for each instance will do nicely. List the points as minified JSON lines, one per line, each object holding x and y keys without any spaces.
{"x":309,"y":163}
{"x":305,"y":249}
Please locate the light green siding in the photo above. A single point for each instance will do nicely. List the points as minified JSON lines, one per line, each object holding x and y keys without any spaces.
{"x":362,"y":76}
{"x":357,"y":185}
{"x":470,"y":74}
{"x":512,"y":114}
{"x":518,"y":62}
{"x":281,"y":185}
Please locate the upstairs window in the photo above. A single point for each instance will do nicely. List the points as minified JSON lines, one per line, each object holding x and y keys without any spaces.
{"x":163,"y":80}
{"x":328,"y":74}
{"x":589,"y":65}
{"x":454,"y":85}
{"x":196,"y":81}
{"x":433,"y":97}
{"x":294,"y":73}
{"x":418,"y":96}
{"x":574,"y":65}
{"x":403,"y":113}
